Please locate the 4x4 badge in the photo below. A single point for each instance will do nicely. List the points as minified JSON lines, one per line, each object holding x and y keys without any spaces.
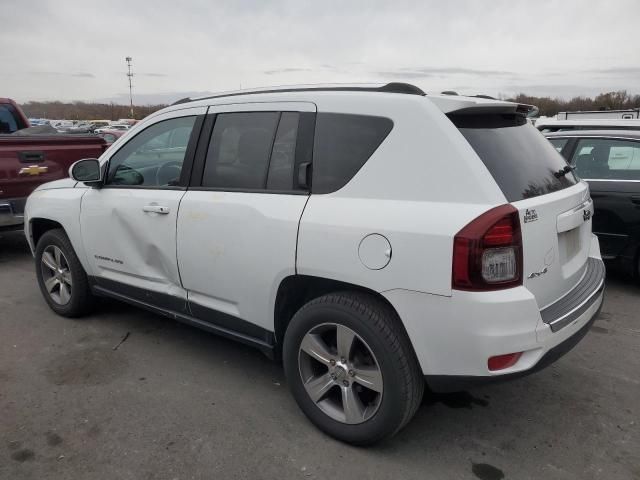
{"x":530,"y":215}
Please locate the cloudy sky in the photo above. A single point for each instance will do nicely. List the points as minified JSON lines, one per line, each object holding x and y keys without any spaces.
{"x":75,"y":50}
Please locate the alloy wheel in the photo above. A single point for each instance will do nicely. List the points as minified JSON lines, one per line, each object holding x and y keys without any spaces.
{"x":340,"y":373}
{"x":56,"y":275}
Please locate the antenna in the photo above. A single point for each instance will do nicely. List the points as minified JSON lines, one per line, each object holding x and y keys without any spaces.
{"x":130,"y":75}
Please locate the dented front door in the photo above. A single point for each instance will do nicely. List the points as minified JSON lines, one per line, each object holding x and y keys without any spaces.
{"x":129,"y":225}
{"x":130,"y":239}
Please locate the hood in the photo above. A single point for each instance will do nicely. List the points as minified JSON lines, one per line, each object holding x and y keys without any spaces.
{"x":62,"y":183}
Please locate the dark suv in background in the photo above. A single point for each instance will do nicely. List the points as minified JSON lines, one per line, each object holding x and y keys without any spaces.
{"x":609,"y":160}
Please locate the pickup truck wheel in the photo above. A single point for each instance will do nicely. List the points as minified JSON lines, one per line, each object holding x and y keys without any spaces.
{"x":351,"y":367}
{"x":62,"y":280}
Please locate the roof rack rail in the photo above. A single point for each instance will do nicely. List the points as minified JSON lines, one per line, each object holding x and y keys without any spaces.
{"x":393,"y":87}
{"x":487,"y":97}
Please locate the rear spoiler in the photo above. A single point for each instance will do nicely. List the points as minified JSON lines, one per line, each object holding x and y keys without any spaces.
{"x":518,"y":108}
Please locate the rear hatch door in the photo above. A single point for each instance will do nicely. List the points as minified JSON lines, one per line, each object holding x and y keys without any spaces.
{"x":555,"y":207}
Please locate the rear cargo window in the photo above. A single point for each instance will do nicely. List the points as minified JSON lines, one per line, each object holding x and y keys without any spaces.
{"x":521,"y":160}
{"x":343,"y":143}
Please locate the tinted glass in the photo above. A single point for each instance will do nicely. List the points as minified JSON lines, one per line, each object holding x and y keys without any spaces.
{"x":8,"y":123}
{"x":601,"y":158}
{"x":342,"y":145}
{"x":283,"y":153}
{"x":558,"y":143}
{"x":153,"y":157}
{"x":521,"y":160}
{"x":239,"y":151}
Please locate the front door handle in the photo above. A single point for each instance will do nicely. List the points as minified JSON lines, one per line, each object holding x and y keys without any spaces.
{"x":635,"y":200}
{"x":156,"y":209}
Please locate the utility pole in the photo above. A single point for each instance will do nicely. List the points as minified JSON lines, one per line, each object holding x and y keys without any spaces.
{"x":130,"y":75}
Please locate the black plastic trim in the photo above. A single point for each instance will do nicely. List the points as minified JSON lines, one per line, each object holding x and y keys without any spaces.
{"x":177,"y":308}
{"x":231,"y":323}
{"x":248,"y":190}
{"x":157,"y":299}
{"x":457,"y":383}
{"x":200,"y":156}
{"x":561,"y":313}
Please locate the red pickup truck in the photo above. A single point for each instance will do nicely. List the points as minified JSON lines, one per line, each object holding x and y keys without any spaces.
{"x":27,"y":161}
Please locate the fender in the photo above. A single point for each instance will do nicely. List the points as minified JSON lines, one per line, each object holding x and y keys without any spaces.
{"x":61,"y":205}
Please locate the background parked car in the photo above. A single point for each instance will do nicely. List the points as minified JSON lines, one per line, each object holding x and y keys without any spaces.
{"x":555,"y":125}
{"x":111,"y":136}
{"x":609,"y":160}
{"x":29,"y":158}
{"x":117,"y":126}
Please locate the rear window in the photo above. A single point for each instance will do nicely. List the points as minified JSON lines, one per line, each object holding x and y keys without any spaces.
{"x":521,"y":160}
{"x":9,"y":119}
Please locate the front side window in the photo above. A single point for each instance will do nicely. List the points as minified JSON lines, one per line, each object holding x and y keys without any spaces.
{"x":153,"y":157}
{"x":607,"y":159}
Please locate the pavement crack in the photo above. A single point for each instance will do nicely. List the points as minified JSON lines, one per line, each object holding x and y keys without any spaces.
{"x":124,"y":339}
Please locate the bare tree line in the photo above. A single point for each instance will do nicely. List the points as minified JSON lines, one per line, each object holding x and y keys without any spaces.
{"x":94,"y":111}
{"x":548,"y":106}
{"x":85,"y":110}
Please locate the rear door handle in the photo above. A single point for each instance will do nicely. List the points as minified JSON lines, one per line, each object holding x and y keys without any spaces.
{"x":156,"y":209}
{"x":635,"y":200}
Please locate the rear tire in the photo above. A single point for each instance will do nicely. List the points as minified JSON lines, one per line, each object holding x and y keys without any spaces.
{"x":62,"y":280}
{"x":366,"y":394}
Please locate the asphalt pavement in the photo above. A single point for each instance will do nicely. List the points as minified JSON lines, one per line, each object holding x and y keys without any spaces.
{"x":125,"y":394}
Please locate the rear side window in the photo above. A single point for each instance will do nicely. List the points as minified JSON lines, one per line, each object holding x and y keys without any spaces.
{"x":342,"y":145}
{"x":602,"y":158}
{"x":521,"y":160}
{"x":239,"y":151}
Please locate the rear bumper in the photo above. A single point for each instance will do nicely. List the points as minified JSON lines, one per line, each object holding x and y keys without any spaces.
{"x":12,"y":213}
{"x":456,"y":383}
{"x":453,"y":337}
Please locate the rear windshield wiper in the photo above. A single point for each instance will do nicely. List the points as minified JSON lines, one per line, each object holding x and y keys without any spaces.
{"x":563,"y":171}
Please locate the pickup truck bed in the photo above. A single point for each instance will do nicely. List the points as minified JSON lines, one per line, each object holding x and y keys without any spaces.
{"x":29,"y":161}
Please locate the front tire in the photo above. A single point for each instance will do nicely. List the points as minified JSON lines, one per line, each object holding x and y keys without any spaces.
{"x":351,"y":367}
{"x":62,"y":280}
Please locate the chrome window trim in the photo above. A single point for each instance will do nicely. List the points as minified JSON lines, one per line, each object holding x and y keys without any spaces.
{"x":632,"y":139}
{"x":608,"y":180}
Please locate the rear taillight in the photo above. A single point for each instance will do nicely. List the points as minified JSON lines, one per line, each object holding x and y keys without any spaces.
{"x":487,"y":253}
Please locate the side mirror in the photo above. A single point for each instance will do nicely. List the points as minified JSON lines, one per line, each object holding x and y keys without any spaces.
{"x":87,"y":171}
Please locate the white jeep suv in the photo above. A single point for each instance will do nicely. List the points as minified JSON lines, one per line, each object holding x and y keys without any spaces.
{"x":373,"y":238}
